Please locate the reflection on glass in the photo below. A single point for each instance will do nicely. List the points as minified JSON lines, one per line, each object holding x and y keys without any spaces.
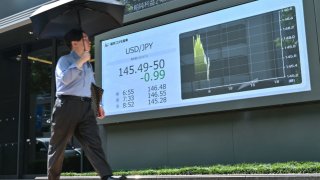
{"x":138,"y":5}
{"x":9,"y":98}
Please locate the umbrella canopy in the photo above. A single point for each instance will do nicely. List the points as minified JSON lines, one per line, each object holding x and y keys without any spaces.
{"x":92,"y":16}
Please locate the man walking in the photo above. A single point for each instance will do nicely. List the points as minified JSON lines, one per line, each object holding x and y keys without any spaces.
{"x":72,"y":113}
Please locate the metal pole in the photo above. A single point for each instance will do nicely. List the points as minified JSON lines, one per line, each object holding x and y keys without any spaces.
{"x":54,"y":62}
{"x":81,"y":159}
{"x":22,"y":109}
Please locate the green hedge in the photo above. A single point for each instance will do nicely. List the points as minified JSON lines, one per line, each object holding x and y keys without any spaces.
{"x":245,"y":168}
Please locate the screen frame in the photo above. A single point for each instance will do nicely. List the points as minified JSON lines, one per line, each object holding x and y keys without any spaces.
{"x":159,"y":9}
{"x":299,"y":97}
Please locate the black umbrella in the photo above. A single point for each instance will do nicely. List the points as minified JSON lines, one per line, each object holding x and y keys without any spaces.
{"x":92,"y":16}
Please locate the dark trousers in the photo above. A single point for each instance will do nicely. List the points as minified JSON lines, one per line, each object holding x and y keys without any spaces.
{"x":75,"y":117}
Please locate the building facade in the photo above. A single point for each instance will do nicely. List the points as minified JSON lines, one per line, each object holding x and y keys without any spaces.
{"x":281,"y":127}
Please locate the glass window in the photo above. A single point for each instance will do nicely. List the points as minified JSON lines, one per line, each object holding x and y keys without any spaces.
{"x":9,"y":114}
{"x":39,"y":122}
{"x":39,"y":109}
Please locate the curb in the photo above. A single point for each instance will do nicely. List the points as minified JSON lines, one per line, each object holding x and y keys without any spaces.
{"x":205,"y":177}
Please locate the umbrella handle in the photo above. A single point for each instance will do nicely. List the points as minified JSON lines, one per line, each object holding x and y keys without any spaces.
{"x":79,"y":21}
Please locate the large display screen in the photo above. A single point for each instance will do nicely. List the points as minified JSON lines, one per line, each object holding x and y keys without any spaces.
{"x":249,"y":51}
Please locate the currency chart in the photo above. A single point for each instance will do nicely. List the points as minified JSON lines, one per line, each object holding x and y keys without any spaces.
{"x":251,"y":53}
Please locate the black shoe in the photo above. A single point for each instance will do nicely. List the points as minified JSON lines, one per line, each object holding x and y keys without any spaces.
{"x":114,"y":178}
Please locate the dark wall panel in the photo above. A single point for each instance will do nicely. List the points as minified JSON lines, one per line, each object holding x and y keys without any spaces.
{"x":126,"y":142}
{"x":280,"y":133}
{"x":9,"y":97}
{"x":200,"y":140}
{"x":9,"y":113}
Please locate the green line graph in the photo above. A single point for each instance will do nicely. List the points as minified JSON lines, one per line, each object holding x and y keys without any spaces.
{"x":201,"y":61}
